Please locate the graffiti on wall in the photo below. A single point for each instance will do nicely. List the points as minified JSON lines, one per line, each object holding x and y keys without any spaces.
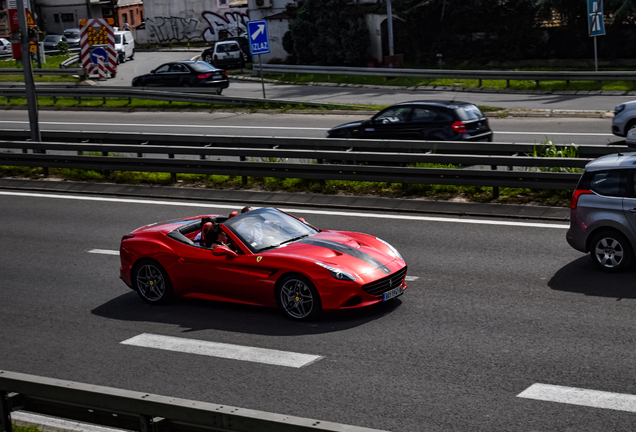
{"x":168,"y":29}
{"x":230,"y":24}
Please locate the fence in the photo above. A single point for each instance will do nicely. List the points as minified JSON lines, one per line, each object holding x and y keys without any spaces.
{"x":370,"y":166}
{"x":480,"y":75}
{"x":137,"y":411}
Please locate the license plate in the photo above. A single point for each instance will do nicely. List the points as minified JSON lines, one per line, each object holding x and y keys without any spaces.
{"x":392,"y":294}
{"x":217,"y":76}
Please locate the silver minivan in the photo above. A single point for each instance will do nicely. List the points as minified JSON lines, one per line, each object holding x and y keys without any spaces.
{"x":603,"y":212}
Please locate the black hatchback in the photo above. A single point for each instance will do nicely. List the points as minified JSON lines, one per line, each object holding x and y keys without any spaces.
{"x":421,"y":120}
{"x":185,"y":73}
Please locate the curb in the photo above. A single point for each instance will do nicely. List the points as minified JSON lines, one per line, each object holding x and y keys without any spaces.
{"x":333,"y":202}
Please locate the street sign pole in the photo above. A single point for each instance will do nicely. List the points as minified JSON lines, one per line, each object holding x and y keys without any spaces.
{"x":259,"y":44}
{"x":595,"y":24}
{"x":595,"y":57}
{"x":260,"y":67}
{"x":32,"y":101}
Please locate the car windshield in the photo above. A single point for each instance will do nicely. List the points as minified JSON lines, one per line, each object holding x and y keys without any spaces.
{"x":469,"y":112}
{"x":118,"y":39}
{"x":227,"y":48}
{"x":202,"y":67}
{"x":267,"y":228}
{"x":52,"y":38}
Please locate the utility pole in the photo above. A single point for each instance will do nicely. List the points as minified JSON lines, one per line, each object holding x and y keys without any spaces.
{"x":389,"y":26}
{"x":32,"y":99}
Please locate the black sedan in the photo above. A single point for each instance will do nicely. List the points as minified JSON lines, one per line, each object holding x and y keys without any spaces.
{"x":421,"y":120}
{"x":185,"y":73}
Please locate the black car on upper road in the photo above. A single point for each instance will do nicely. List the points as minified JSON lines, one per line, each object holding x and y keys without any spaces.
{"x":421,"y":120}
{"x":186,"y":73}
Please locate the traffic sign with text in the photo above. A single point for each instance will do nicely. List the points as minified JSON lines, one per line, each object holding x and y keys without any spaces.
{"x":259,"y":39}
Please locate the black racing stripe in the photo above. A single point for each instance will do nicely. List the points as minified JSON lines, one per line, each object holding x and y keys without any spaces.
{"x":347,"y":250}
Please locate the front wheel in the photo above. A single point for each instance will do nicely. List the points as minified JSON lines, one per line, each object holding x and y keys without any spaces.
{"x":152,"y":282}
{"x":610,"y":251}
{"x":298,"y":298}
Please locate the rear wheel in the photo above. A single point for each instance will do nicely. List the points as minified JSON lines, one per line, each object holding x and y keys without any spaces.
{"x":631,"y":125}
{"x":610,"y":251}
{"x":298,"y":298}
{"x":208,"y":58}
{"x":152,"y":282}
{"x":219,"y":90}
{"x":132,"y":56}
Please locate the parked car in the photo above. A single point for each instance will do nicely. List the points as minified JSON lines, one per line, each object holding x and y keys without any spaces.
{"x":5,"y":46}
{"x":225,"y":54}
{"x":72,"y":37}
{"x":186,"y":73}
{"x":624,"y":118}
{"x":124,"y":46}
{"x":271,"y":258}
{"x":244,"y":43}
{"x":421,"y":120}
{"x":603,"y":211}
{"x":51,"y":41}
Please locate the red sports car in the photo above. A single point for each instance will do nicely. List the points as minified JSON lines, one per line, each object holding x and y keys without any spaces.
{"x":271,"y":259}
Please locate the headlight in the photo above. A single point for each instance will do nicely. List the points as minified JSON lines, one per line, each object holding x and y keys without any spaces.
{"x":337,"y":273}
{"x":619,"y":108}
{"x":394,"y":250}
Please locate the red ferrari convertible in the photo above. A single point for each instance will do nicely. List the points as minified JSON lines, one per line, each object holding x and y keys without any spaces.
{"x":271,"y":259}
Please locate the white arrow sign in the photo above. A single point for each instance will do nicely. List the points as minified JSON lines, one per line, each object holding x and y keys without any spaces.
{"x":261,"y":29}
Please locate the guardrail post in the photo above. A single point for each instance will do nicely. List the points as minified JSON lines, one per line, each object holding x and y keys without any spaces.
{"x":173,"y":175}
{"x":537,"y":82}
{"x":495,"y":189}
{"x":479,"y":83}
{"x":5,"y":413}
{"x":507,"y":83}
{"x":243,"y":178}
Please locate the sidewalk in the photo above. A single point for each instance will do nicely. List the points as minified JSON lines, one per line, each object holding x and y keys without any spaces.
{"x":258,"y":198}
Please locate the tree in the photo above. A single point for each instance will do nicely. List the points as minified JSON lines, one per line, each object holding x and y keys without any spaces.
{"x":327,"y":32}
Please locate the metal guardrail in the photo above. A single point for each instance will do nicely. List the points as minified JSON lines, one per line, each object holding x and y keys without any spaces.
{"x":315,"y":171}
{"x":138,"y":411}
{"x":173,"y":94}
{"x":374,"y":145}
{"x":68,"y":62}
{"x":480,"y":75}
{"x":70,"y":71}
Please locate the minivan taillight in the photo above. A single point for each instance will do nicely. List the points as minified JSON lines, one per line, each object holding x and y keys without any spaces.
{"x":460,"y":127}
{"x":575,"y":197}
{"x":216,"y":57}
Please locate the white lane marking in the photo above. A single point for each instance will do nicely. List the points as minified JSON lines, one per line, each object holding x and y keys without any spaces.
{"x":271,"y":127}
{"x":169,"y":125}
{"x":295,"y":210}
{"x":411,"y":278}
{"x":104,"y":251}
{"x":57,"y":424}
{"x":579,"y":396}
{"x":223,"y":350}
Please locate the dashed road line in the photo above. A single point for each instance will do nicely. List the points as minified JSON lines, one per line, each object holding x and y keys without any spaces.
{"x":104,"y":251}
{"x":579,"y":396}
{"x":223,"y":350}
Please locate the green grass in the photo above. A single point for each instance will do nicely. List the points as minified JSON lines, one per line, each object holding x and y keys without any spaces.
{"x":294,"y":185}
{"x":52,"y":62}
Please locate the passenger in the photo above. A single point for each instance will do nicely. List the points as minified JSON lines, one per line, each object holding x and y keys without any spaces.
{"x":214,"y":237}
{"x":246,"y":209}
{"x":199,"y":236}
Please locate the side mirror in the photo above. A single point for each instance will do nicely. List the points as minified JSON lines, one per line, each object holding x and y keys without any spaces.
{"x":152,"y":71}
{"x":223,"y":250}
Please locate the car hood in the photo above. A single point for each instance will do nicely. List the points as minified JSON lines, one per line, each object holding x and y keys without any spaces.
{"x":349,"y":125}
{"x":340,"y":250}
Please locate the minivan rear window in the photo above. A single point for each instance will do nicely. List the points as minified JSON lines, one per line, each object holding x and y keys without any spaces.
{"x":607,"y":183}
{"x":469,"y":112}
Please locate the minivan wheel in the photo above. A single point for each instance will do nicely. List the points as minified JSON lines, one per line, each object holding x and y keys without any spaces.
{"x":610,"y":251}
{"x":208,"y":58}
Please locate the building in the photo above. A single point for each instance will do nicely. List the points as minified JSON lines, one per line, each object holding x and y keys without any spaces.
{"x":55,"y":16}
{"x":124,"y":11}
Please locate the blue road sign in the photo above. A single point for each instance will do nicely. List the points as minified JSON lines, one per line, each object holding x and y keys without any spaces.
{"x":259,"y":39}
{"x":595,"y":24}
{"x":99,"y":52}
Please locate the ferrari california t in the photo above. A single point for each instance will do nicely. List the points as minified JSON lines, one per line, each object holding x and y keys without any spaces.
{"x":271,"y":258}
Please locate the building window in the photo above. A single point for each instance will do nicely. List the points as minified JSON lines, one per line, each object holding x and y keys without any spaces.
{"x":124,"y":17}
{"x":56,"y":18}
{"x":132,"y":17}
{"x":68,"y":17}
{"x":223,"y":3}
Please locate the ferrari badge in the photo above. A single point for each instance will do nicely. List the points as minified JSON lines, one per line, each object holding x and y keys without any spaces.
{"x":258,"y":259}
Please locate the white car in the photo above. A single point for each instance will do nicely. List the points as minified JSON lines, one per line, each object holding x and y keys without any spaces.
{"x":624,"y":118}
{"x":124,"y":45}
{"x":5,"y":46}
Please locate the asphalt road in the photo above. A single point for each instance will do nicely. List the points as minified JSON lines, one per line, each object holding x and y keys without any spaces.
{"x":496,"y":309}
{"x":514,"y":129}
{"x":146,"y":61}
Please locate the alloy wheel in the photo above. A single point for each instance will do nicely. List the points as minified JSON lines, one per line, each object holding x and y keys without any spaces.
{"x":297,"y":299}
{"x":150,"y":283}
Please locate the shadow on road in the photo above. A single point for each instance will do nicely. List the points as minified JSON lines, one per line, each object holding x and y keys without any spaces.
{"x":582,"y":277}
{"x":195,"y":315}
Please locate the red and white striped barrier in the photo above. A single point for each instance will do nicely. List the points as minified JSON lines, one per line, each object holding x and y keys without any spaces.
{"x":97,"y":35}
